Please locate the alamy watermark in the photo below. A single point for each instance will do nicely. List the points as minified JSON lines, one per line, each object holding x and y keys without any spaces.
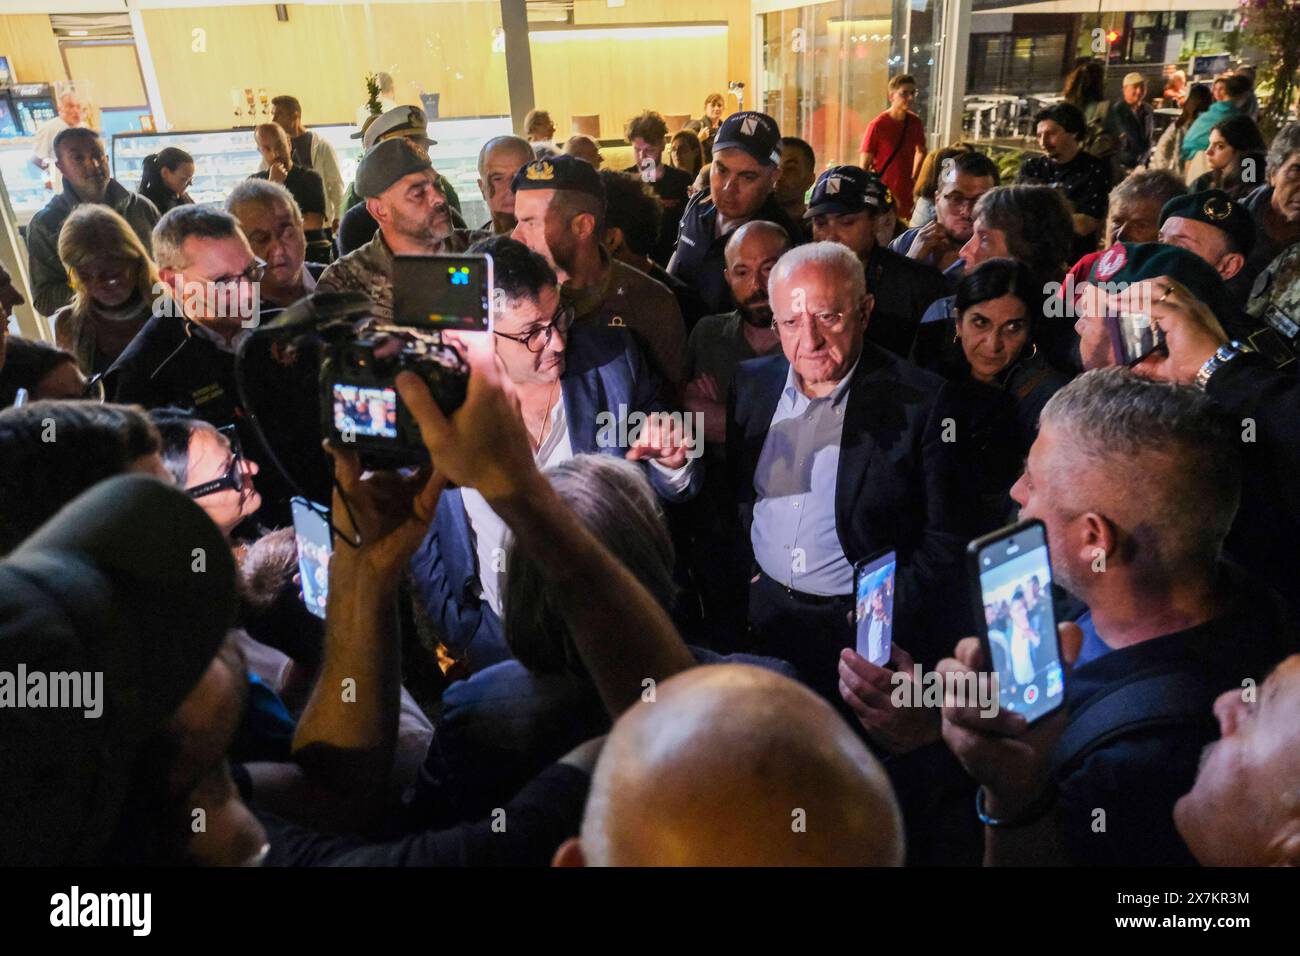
{"x":83,"y":690}
{"x":623,"y":429}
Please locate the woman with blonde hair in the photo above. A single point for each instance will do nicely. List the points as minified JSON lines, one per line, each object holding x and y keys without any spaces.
{"x":114,"y":286}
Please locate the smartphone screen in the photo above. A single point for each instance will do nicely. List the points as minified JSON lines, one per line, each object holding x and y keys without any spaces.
{"x":443,"y":292}
{"x":1133,"y":336}
{"x":1019,"y":622}
{"x":311,"y":530}
{"x":363,"y":411}
{"x":873,"y":595}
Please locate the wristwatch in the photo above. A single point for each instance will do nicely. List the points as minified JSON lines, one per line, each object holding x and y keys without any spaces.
{"x":1221,"y":357}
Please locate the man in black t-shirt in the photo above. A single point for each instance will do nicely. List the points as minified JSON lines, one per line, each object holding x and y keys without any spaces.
{"x":306,"y":185}
{"x":1083,"y":178}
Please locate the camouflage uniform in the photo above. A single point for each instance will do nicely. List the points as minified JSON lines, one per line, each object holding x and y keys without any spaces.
{"x":369,"y":269}
{"x":1275,"y":305}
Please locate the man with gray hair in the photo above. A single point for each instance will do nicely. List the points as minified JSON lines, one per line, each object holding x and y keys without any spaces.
{"x":498,"y":161}
{"x":271,"y":221}
{"x":839,"y":450}
{"x":1112,"y":474}
{"x":1275,"y":206}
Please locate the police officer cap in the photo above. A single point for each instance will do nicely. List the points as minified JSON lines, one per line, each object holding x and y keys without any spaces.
{"x":848,"y":189}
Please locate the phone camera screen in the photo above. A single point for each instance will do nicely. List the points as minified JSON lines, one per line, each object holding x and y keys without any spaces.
{"x":874,"y":608}
{"x":1015,"y":583}
{"x":364,"y":411}
{"x":312,"y":534}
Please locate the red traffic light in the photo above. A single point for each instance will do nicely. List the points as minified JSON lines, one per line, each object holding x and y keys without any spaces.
{"x":1112,"y":36}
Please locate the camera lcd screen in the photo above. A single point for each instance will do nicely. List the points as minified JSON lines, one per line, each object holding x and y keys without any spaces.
{"x":443,"y":292}
{"x":363,"y":411}
{"x":1015,"y":581}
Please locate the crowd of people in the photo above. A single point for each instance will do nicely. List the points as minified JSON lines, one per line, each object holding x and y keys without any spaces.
{"x":614,"y":619}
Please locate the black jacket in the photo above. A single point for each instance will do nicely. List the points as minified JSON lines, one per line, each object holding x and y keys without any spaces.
{"x":899,"y":484}
{"x":699,"y":258}
{"x":904,"y":289}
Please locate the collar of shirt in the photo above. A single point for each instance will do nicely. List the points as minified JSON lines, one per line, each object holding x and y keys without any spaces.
{"x":798,"y":401}
{"x":308,"y":280}
{"x":555,"y":446}
{"x":216,"y":338}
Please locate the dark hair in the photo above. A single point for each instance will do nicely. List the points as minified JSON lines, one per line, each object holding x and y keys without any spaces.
{"x":994,"y":279}
{"x":517,"y":271}
{"x":1037,"y":224}
{"x":290,"y":101}
{"x":687,"y":136}
{"x":574,"y":202}
{"x":27,"y":361}
{"x":67,"y":136}
{"x":647,"y":125}
{"x":1236,"y":85}
{"x":1242,"y":134}
{"x":1085,"y":84}
{"x":972,"y":164}
{"x":630,"y":205}
{"x":1068,"y":116}
{"x":175,"y":427}
{"x":803,"y":147}
{"x":151,"y":185}
{"x":927,"y":180}
{"x":38,"y":476}
{"x":1199,"y":98}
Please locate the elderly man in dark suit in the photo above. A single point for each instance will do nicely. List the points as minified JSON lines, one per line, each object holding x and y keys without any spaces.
{"x":838,"y":450}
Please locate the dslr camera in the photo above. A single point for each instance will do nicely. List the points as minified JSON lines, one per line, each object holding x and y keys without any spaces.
{"x":360,"y":406}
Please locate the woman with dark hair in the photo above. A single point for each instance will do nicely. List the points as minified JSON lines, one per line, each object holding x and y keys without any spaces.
{"x":686,"y":153}
{"x":1168,"y":153}
{"x":1003,"y":380}
{"x":40,"y":371}
{"x":1236,"y":157}
{"x":706,"y":127}
{"x":165,"y":176}
{"x":1085,"y":88}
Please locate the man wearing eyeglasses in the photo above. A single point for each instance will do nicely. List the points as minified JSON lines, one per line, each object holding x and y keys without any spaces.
{"x":938,"y":243}
{"x":837,"y":453}
{"x":568,"y":379}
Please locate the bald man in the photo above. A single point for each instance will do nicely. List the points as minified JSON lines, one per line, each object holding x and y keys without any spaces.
{"x":585,"y":148}
{"x":1244,"y":809}
{"x":736,"y":766}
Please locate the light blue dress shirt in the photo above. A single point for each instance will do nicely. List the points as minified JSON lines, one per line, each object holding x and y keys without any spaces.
{"x":793,"y":532}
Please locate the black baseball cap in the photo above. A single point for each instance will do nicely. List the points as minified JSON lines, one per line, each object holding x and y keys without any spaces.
{"x":843,"y":190}
{"x":560,"y":172}
{"x":755,"y":133}
{"x":1215,"y":208}
{"x":131,"y":581}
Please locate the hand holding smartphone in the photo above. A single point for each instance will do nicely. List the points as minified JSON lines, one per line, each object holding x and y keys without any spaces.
{"x":1012,"y":590}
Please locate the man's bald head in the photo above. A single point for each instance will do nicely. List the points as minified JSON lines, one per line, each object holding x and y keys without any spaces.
{"x":751,"y":253}
{"x":757,"y":238}
{"x":734,"y":765}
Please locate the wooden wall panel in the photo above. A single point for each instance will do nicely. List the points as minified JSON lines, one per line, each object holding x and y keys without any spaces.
{"x":322,"y":54}
{"x":114,"y":73}
{"x":28,"y":41}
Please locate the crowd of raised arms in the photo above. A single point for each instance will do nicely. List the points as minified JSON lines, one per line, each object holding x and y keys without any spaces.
{"x":687,"y":576}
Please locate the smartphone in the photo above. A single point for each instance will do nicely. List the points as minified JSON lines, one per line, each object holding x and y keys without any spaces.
{"x":311,"y":531}
{"x":1133,"y":335}
{"x":1012,"y":588}
{"x":443,"y":292}
{"x":873,"y":602}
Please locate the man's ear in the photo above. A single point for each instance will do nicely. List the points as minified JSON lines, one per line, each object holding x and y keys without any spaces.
{"x":58,"y":164}
{"x":483,"y":189}
{"x":376,"y":210}
{"x":1230,"y":265}
{"x":1099,"y":544}
{"x":613,"y":238}
{"x":569,"y":854}
{"x":583,"y":224}
{"x":868,"y":306}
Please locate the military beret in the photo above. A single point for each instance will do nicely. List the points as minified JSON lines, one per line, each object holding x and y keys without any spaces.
{"x":386,"y":163}
{"x":560,"y":172}
{"x":1134,"y":262}
{"x":1216,"y":208}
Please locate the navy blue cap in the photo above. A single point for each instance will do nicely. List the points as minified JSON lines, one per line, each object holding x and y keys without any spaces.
{"x":560,"y":172}
{"x":1215,"y":208}
{"x":755,"y":133}
{"x":844,"y":190}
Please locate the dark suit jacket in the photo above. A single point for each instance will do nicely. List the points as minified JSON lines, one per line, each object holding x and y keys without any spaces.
{"x":903,"y":289}
{"x":899,"y":485}
{"x":605,"y":371}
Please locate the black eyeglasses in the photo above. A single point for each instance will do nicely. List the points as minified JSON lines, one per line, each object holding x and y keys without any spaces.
{"x":539,"y":338}
{"x":253,"y":273}
{"x":233,"y":479}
